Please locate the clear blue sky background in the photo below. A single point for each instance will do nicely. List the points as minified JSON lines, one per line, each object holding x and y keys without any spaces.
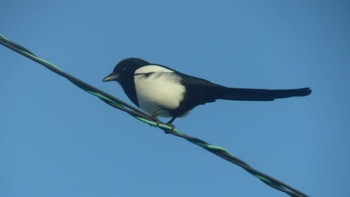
{"x":56,"y":140}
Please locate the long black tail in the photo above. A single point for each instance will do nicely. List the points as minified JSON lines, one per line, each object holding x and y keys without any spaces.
{"x":243,"y":94}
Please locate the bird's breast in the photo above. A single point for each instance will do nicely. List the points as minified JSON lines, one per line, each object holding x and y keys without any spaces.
{"x":159,"y":91}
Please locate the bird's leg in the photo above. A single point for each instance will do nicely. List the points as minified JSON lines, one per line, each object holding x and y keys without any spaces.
{"x":169,"y":123}
{"x":155,"y":116}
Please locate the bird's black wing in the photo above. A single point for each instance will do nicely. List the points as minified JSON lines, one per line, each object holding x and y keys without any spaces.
{"x":198,"y":92}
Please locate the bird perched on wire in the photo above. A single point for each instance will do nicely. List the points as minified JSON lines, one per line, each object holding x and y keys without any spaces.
{"x":163,"y":91}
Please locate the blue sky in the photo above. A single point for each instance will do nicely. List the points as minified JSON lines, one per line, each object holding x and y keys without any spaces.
{"x":56,"y":140}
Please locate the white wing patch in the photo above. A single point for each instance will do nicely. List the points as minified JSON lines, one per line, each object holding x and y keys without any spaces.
{"x":152,"y":68}
{"x":158,"y":88}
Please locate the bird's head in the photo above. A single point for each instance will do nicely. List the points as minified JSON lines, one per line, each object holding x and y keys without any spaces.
{"x":125,"y":69}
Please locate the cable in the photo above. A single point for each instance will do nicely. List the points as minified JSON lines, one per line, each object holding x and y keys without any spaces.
{"x":140,"y":115}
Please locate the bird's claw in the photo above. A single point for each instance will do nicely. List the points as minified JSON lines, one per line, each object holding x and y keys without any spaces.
{"x":158,"y":122}
{"x":172,"y":127}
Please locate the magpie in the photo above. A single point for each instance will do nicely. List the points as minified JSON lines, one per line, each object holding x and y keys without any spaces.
{"x":165,"y":92}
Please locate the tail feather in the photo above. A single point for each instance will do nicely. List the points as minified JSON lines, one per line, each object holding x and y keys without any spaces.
{"x":243,"y":94}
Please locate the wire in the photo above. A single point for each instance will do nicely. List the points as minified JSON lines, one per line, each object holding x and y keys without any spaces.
{"x":140,"y":115}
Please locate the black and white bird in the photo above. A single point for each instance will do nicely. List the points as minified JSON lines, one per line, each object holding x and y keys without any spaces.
{"x":162,"y":91}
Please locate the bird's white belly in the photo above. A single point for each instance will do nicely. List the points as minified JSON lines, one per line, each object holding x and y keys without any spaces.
{"x":159,"y":91}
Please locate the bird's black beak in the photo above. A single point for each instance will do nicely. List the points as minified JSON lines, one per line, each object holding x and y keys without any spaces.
{"x":111,"y":77}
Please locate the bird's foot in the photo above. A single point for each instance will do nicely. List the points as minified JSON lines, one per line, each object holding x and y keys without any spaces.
{"x":170,"y":124}
{"x":170,"y":130}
